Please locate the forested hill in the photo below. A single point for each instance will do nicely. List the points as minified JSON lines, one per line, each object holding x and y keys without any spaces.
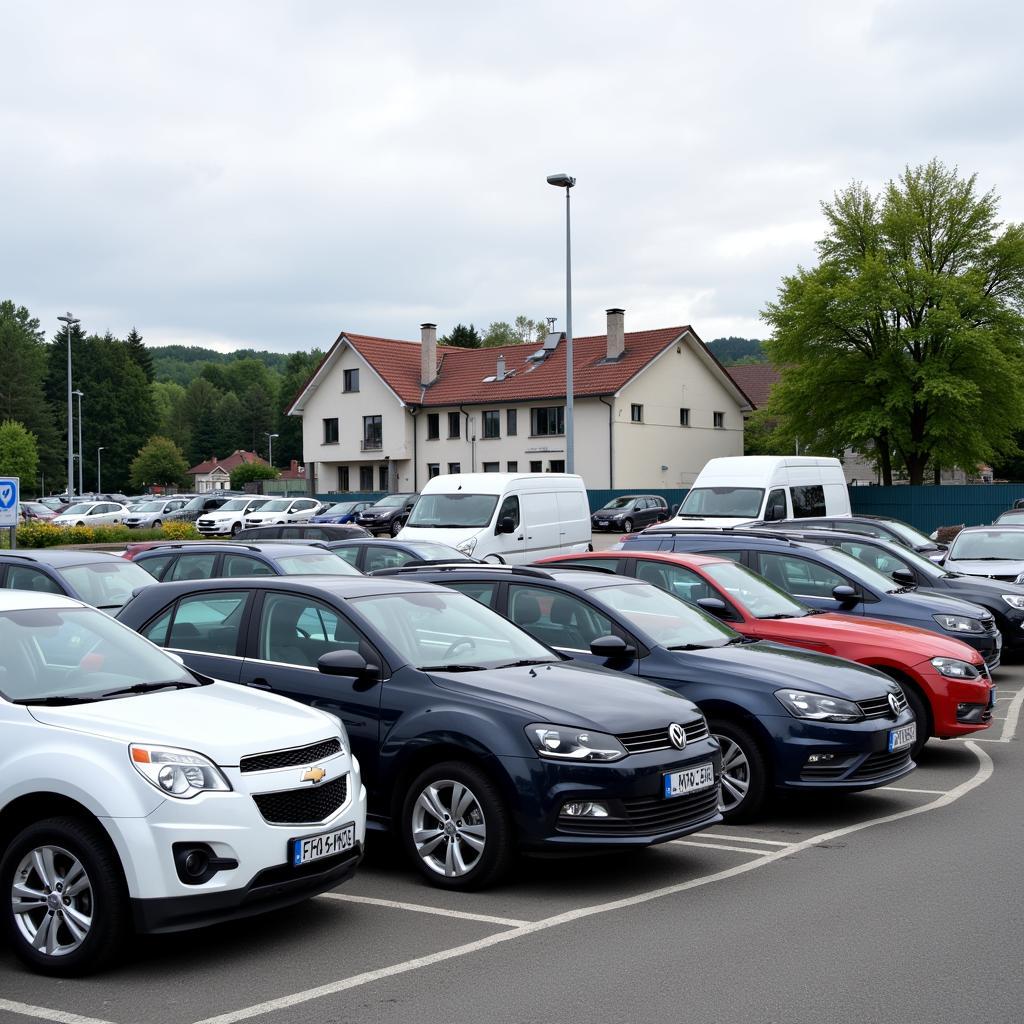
{"x":730,"y":351}
{"x":183,"y":363}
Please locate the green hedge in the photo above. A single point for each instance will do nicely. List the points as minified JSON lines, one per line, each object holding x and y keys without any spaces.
{"x":43,"y":535}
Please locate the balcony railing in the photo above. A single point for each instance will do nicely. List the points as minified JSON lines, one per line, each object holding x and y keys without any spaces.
{"x":371,"y":444}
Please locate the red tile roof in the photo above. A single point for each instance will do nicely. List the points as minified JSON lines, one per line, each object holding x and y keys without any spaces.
{"x":236,"y":458}
{"x":755,"y":380}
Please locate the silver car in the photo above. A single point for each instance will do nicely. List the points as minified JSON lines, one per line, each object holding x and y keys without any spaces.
{"x":150,"y":515}
{"x":993,"y":551}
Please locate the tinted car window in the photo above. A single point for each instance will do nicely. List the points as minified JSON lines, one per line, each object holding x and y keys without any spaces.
{"x":245,"y":565}
{"x":386,"y":558}
{"x":297,"y":630}
{"x":482,"y":592}
{"x":556,"y":618}
{"x":155,"y":565}
{"x":21,"y":577}
{"x":510,"y":507}
{"x":208,"y":622}
{"x":878,"y":558}
{"x":807,"y":501}
{"x":350,"y":552}
{"x":798,"y":575}
{"x":676,"y":580}
{"x":192,"y":567}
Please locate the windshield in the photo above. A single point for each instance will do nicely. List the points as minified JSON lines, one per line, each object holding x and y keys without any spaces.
{"x":989,"y":545}
{"x":889,"y":560}
{"x":241,"y":504}
{"x":754,"y":592}
{"x":76,"y":653}
{"x":278,"y":505}
{"x":341,"y":509}
{"x":150,"y":506}
{"x":732,"y":502}
{"x":79,"y":509}
{"x":391,"y":501}
{"x":106,"y":584}
{"x":859,"y":571}
{"x":666,"y":619}
{"x":453,"y":510}
{"x":435,"y":552}
{"x":316,"y":563}
{"x":442,"y":630}
{"x":909,"y":534}
{"x":622,"y":502}
{"x":1016,"y":516}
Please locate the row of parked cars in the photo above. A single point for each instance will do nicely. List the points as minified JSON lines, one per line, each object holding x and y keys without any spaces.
{"x":224,"y":747}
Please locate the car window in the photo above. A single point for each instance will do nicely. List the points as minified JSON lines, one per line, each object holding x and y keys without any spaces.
{"x":192,"y":567}
{"x":681,"y":582}
{"x":775,"y":509}
{"x":155,"y":565}
{"x":556,"y":618}
{"x":799,"y":576}
{"x":864,"y":529}
{"x":807,"y":501}
{"x":615,"y":564}
{"x":510,"y":507}
{"x":385,"y":558}
{"x":106,"y":584}
{"x":877,"y":558}
{"x":157,"y":631}
{"x":297,"y":630}
{"x":350,"y":552}
{"x":21,"y":577}
{"x":208,"y":622}
{"x":245,"y":565}
{"x":483,"y":592}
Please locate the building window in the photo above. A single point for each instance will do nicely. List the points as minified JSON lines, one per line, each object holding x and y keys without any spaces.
{"x":492,"y":467}
{"x":366,"y":478}
{"x":492,"y":423}
{"x":453,"y":425}
{"x":511,"y":423}
{"x":547,"y":421}
{"x":684,"y":417}
{"x":512,"y":466}
{"x":454,"y":467}
{"x":433,"y":469}
{"x":636,"y":413}
{"x":343,"y":478}
{"x":382,"y":478}
{"x":433,"y":426}
{"x":535,"y":466}
{"x":331,"y":431}
{"x":719,"y":420}
{"x":556,"y":466}
{"x":372,"y":435}
{"x":351,"y":380}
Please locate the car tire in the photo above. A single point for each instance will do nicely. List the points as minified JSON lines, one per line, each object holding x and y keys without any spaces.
{"x":627,"y":525}
{"x":157,"y":525}
{"x":236,"y":528}
{"x":922,"y":712}
{"x":395,"y":528}
{"x":444,"y":789}
{"x":74,"y":847}
{"x":744,"y":772}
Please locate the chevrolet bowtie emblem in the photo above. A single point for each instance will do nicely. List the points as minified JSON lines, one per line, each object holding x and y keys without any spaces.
{"x":314,"y":775}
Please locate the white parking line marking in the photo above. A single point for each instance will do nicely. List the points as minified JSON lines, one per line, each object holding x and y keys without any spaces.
{"x":42,"y":1013}
{"x":984,"y":772}
{"x":907,"y":789}
{"x":420,"y":908}
{"x":743,"y":839}
{"x":720,"y":846}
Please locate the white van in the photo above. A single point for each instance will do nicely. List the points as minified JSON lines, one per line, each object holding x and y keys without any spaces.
{"x":503,"y":517}
{"x":742,"y":489}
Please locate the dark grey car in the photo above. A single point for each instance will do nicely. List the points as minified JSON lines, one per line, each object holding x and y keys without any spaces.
{"x":628,"y":512}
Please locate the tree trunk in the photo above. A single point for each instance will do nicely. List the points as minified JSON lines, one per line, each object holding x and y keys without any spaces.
{"x":884,"y":457}
{"x":938,"y":474}
{"x":917,"y":463}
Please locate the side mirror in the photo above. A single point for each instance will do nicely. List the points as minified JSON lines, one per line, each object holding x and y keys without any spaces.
{"x":844,"y":594}
{"x":715,"y":605}
{"x":774,"y":514}
{"x":674,"y":509}
{"x":904,"y":576}
{"x":346,"y":663}
{"x":506,"y":525}
{"x":611,"y":647}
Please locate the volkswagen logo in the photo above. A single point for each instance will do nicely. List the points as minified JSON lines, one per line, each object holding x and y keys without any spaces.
{"x":894,"y":703}
{"x":677,"y":736}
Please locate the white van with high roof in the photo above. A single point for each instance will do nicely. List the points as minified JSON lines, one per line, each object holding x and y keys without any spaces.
{"x":510,"y":518}
{"x":746,"y":488}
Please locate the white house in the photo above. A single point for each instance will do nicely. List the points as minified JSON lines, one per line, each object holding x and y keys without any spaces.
{"x":651,"y":407}
{"x":215,"y":474}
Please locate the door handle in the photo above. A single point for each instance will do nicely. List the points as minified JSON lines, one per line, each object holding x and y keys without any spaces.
{"x":258,"y":684}
{"x":520,"y":537}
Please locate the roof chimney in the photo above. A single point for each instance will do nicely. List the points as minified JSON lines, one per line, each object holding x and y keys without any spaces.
{"x":428,"y":354}
{"x":500,"y":375}
{"x":616,"y":333}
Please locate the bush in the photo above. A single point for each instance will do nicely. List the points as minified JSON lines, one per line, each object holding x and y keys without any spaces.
{"x":43,"y":535}
{"x":249,"y":472}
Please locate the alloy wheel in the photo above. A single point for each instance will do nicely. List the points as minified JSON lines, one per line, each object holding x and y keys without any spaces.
{"x":735,"y":774}
{"x":448,"y":828}
{"x":52,"y":900}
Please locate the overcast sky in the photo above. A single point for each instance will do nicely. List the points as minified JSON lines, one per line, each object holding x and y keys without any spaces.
{"x":267,"y":174}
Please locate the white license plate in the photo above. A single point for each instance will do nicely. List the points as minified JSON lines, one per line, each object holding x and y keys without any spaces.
{"x":689,"y":780}
{"x":325,"y":845}
{"x":903,"y":736}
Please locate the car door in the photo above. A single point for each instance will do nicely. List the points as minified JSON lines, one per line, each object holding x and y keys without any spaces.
{"x":509,"y":546}
{"x":807,"y":580}
{"x":302,"y":509}
{"x":287,"y":635}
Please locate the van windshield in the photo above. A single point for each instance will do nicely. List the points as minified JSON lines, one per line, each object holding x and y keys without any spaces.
{"x":453,"y":511}
{"x":728,"y":502}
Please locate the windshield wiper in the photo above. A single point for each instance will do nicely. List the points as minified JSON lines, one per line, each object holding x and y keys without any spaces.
{"x":452,"y":668}
{"x":741,"y":640}
{"x":986,"y":558}
{"x":781,"y":615}
{"x":54,"y":702}
{"x":522,"y":663}
{"x":688,"y":647}
{"x":177,"y":684}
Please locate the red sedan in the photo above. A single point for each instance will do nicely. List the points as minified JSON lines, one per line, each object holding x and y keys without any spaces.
{"x":946,"y":681}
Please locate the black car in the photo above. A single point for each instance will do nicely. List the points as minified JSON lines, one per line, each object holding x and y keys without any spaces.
{"x":96,"y":577}
{"x":303,"y":531}
{"x":630,"y":511}
{"x":474,"y":739}
{"x":1004,"y":600}
{"x":884,"y":528}
{"x":823,"y":577}
{"x":197,"y":506}
{"x":375,"y":553}
{"x":204,"y":561}
{"x":388,"y":515}
{"x":786,"y":719}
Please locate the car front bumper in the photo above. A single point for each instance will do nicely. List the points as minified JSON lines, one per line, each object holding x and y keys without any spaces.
{"x":945,"y":695}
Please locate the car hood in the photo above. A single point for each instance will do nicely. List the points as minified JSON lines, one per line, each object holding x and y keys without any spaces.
{"x":931,"y":603}
{"x":980,"y":567}
{"x":574,"y":695}
{"x":223,"y":721}
{"x":770,"y":666}
{"x":329,"y":519}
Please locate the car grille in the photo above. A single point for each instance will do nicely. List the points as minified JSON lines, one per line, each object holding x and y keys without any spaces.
{"x":648,"y":816}
{"x":303,"y":806}
{"x":657,"y":739}
{"x":876,"y":765}
{"x":289,"y":758}
{"x":878,"y":707}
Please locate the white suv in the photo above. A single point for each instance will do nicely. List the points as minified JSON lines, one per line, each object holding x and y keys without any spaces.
{"x":283,"y":510}
{"x":135,"y":795}
{"x":229,"y":518}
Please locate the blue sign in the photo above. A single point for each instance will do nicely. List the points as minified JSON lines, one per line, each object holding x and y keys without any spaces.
{"x":8,"y":501}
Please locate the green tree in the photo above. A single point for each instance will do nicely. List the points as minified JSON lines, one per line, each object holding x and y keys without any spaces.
{"x":906,"y":341}
{"x":299,"y":368}
{"x":522,"y":332}
{"x":19,"y":455}
{"x":169,"y":403}
{"x":140,"y":354}
{"x":230,"y":432}
{"x":462,"y":336}
{"x":159,"y":461}
{"x":200,"y":408}
{"x":249,"y":471}
{"x":760,"y":436}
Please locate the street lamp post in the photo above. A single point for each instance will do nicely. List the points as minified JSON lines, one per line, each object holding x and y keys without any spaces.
{"x":564,"y":181}
{"x":99,"y":468}
{"x":270,"y":448}
{"x":68,"y":319}
{"x":81,"y":458}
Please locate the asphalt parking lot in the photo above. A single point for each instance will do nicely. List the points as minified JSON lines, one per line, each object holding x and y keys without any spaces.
{"x":384,"y":945}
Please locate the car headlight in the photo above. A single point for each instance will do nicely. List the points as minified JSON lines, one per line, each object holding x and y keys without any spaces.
{"x":959,"y":623}
{"x":1020,"y":578}
{"x":818,"y":707}
{"x":951,"y":668}
{"x":178,"y":773}
{"x":1014,"y":600}
{"x":563,"y":743}
{"x":467,"y":546}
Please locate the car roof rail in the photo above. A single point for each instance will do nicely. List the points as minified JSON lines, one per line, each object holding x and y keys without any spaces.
{"x":189,"y":544}
{"x":583,"y":565}
{"x":512,"y":570}
{"x":18,"y":554}
{"x":713,"y":531}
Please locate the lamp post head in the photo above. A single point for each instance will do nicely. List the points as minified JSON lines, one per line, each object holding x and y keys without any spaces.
{"x":69,"y":319}
{"x":561,"y":180}
{"x":81,"y":394}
